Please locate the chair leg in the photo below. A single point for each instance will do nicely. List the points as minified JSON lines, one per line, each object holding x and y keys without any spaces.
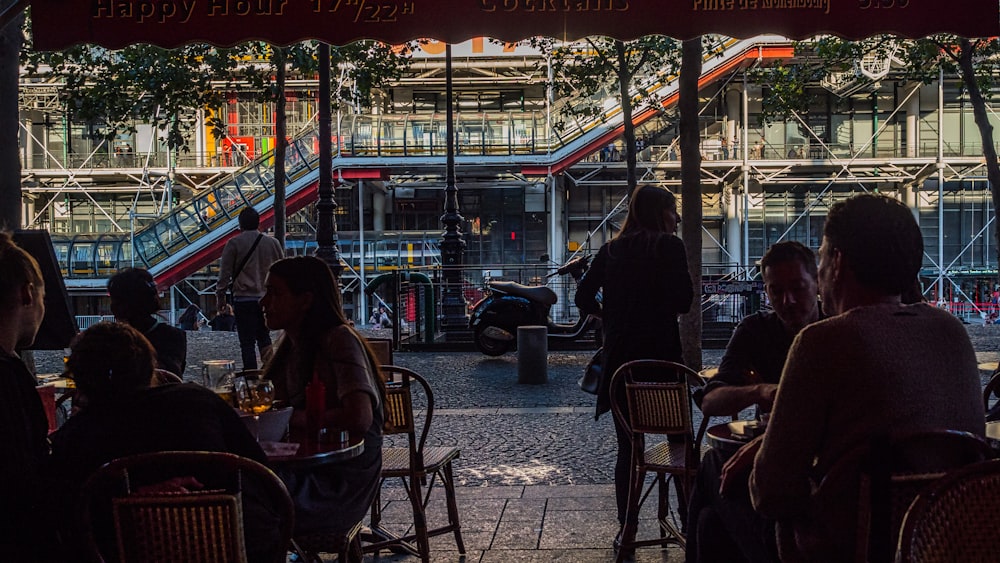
{"x":448,"y":479}
{"x":419,"y":519}
{"x":662,"y":501}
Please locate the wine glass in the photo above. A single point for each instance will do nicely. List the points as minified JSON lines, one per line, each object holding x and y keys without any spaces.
{"x":254,"y":397}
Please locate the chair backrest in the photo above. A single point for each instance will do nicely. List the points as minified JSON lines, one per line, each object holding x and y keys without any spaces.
{"x":887,"y":474}
{"x":657,"y":395}
{"x":163,"y":377}
{"x":180,"y":527}
{"x":203,"y":526}
{"x":382,"y":347}
{"x":399,"y":415}
{"x":992,"y":388}
{"x":955,"y":519}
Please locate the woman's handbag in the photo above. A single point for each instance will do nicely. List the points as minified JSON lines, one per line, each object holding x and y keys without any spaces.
{"x":591,"y":379}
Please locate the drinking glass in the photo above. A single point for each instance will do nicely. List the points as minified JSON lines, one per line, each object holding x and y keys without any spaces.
{"x":254,"y":396}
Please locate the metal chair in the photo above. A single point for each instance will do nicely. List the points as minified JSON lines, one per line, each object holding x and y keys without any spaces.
{"x":659,"y":403}
{"x":413,"y":464}
{"x":955,"y":519}
{"x":121,"y":514}
{"x":887,"y":474}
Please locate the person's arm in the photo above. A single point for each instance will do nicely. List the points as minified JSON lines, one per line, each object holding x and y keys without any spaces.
{"x":780,"y":485}
{"x":728,"y":400}
{"x":586,"y":291}
{"x":355,"y":415}
{"x":734,"y":387}
{"x":344,"y":367}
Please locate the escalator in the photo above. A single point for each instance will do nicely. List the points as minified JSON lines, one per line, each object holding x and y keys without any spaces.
{"x":191,"y":236}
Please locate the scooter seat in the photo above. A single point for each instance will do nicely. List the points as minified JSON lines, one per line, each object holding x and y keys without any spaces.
{"x":537,"y":293}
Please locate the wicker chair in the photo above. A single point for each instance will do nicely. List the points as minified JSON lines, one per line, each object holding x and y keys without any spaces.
{"x":413,"y":464}
{"x":203,"y":526}
{"x":955,"y":519}
{"x":887,"y":474}
{"x":659,"y":403}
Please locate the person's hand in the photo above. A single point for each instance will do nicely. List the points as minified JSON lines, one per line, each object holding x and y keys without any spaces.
{"x":175,"y":485}
{"x":767,"y":392}
{"x":736,"y":471}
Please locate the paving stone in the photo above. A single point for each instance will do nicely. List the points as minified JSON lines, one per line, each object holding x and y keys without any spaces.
{"x":524,"y":509}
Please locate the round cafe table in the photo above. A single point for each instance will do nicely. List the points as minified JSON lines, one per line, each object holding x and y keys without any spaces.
{"x":722,"y":437}
{"x":310,"y":453}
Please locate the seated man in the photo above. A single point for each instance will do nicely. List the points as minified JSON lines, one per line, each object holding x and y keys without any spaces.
{"x":112,"y":364}
{"x":751,"y":367}
{"x":877,"y":366}
{"x":727,"y":529}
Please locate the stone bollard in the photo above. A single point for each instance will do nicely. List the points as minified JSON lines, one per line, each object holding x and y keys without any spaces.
{"x":532,"y":354}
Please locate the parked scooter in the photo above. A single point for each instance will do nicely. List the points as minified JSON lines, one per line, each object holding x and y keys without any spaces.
{"x":509,"y":305}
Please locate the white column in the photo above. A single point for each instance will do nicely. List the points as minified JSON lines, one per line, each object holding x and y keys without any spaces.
{"x":378,"y":210}
{"x":733,"y":244}
{"x":913,"y":123}
{"x":557,"y":219}
{"x":361,"y":314}
{"x":733,"y":121}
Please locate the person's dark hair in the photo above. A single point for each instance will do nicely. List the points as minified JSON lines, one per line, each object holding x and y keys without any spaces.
{"x":189,"y":314}
{"x":135,"y":286}
{"x":879,"y":240}
{"x":17,"y":268}
{"x":788,"y":251}
{"x":308,"y":274}
{"x":109,"y":359}
{"x":249,"y":219}
{"x":645,"y":211}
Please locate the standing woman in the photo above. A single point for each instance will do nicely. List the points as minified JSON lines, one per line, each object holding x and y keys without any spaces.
{"x":644,"y":275}
{"x":135,"y":302}
{"x":303,"y":299}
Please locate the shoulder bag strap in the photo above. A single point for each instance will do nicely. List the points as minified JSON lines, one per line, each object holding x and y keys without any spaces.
{"x":243,"y":263}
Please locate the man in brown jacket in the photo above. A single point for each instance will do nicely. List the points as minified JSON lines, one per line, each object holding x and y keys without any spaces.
{"x":242,"y":268}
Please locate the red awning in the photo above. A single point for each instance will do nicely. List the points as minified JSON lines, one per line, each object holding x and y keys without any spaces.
{"x":58,"y":24}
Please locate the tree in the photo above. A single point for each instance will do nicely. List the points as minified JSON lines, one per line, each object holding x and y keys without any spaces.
{"x":976,"y":61}
{"x":589,"y":70}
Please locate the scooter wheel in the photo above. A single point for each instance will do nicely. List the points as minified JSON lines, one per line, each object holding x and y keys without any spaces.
{"x":491,"y":346}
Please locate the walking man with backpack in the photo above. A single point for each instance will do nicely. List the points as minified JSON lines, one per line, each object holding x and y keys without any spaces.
{"x":242,"y":269}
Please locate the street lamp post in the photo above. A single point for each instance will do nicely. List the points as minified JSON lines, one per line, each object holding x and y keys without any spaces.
{"x":326,"y":221}
{"x":452,"y":245}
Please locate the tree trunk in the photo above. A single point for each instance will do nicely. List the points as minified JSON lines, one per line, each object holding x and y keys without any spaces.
{"x":10,"y":159}
{"x":691,"y":56}
{"x":628,"y":137}
{"x":280,"y":135}
{"x":983,"y":122}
